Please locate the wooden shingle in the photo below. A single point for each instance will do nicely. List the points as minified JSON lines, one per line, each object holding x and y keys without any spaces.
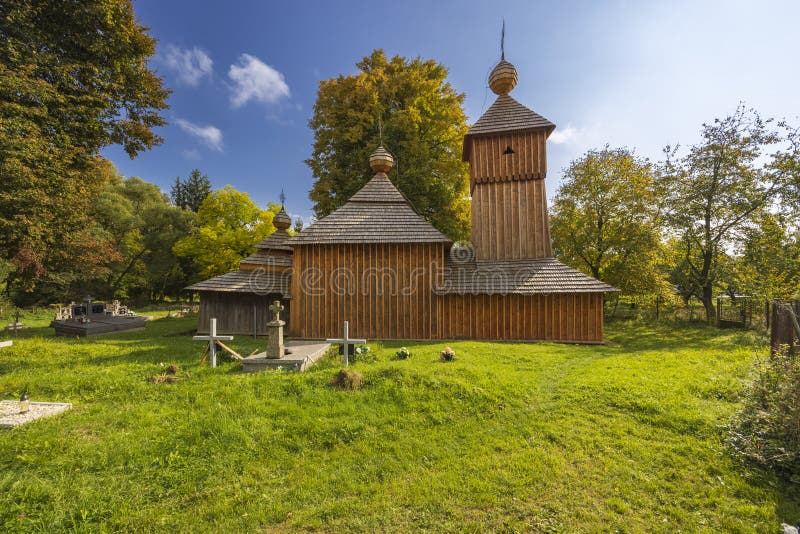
{"x":377,"y":213}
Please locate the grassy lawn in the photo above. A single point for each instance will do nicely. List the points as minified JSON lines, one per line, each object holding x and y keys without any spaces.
{"x":509,"y":437}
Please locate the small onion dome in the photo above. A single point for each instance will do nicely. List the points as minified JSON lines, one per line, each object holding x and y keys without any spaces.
{"x":282,"y":221}
{"x":381,"y":160}
{"x":503,"y":78}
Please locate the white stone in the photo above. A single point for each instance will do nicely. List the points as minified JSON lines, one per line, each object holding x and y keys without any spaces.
{"x":10,"y":415}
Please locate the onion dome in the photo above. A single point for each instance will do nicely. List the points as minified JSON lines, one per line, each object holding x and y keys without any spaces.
{"x":282,"y":221}
{"x":503,"y":78}
{"x":381,"y":160}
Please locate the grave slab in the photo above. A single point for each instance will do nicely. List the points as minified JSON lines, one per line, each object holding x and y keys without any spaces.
{"x":10,"y":416}
{"x":303,"y":355}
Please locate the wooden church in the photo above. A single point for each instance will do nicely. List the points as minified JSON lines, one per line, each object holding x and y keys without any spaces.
{"x":379,"y":265}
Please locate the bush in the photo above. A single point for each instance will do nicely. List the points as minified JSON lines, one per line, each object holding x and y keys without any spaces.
{"x":347,"y":379}
{"x":447,"y":355}
{"x":767,"y":430}
{"x":402,"y":354}
{"x":362,"y":353}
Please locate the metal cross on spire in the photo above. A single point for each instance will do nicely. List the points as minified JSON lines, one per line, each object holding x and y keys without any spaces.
{"x":283,"y":199}
{"x":503,"y":41}
{"x":380,"y":132}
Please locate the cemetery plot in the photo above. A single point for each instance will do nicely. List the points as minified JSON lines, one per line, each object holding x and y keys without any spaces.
{"x":11,"y":414}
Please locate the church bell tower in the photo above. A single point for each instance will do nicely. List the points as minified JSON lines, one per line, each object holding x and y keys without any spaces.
{"x":507,"y":154}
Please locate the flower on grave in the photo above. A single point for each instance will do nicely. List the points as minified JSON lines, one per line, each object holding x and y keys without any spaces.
{"x":447,"y":355}
{"x":358,"y":350}
{"x":403,"y":353}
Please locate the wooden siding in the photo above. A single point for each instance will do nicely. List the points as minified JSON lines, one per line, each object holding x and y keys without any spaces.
{"x":235,"y":312}
{"x":385,"y":291}
{"x":355,"y":283}
{"x":564,"y":317}
{"x":487,"y":163}
{"x":509,"y":221}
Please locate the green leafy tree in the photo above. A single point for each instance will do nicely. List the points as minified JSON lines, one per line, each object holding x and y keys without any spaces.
{"x":606,"y":220}
{"x":769,"y":262}
{"x":191,"y":193}
{"x":715,"y":191}
{"x":229,"y":225}
{"x":73,"y":79}
{"x":143,"y":227}
{"x":423,"y":126}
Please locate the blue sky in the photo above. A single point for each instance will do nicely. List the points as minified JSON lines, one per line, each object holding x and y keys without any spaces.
{"x":641,"y":74}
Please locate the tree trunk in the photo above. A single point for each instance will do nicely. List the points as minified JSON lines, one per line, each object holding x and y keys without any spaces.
{"x":708,"y":304}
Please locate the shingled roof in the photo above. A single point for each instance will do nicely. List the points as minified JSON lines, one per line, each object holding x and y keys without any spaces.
{"x":508,"y":115}
{"x":259,"y":282}
{"x":377,"y":213}
{"x":277,"y":240}
{"x":521,"y":277}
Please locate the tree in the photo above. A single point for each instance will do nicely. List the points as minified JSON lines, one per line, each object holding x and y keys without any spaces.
{"x":606,"y":220}
{"x":423,"y":126}
{"x":769,"y":262}
{"x":143,"y":227}
{"x":191,"y":193}
{"x":229,"y":225}
{"x":716,"y":189}
{"x":73,"y":79}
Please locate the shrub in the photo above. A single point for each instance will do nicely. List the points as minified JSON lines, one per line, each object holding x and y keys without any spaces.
{"x":447,"y":355}
{"x":347,"y":379}
{"x":402,"y":354}
{"x":362,"y":353}
{"x":767,"y":430}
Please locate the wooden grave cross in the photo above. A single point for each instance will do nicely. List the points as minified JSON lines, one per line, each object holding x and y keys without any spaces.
{"x":213,"y":339}
{"x":346,"y":342}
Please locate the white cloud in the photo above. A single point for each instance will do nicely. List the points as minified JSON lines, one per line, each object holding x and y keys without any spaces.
{"x":255,"y":80}
{"x":564,"y":135}
{"x":211,"y":136}
{"x":190,"y":65}
{"x":191,"y":154}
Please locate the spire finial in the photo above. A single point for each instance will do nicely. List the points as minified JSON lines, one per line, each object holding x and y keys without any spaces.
{"x":281,"y":220}
{"x":504,"y":76}
{"x":503,"y":41}
{"x":381,"y":160}
{"x":380,"y":132}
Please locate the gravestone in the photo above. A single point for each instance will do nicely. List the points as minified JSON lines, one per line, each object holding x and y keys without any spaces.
{"x":11,"y":414}
{"x":275,"y":348}
{"x":212,"y":339}
{"x":16,"y":325}
{"x":346,"y":341}
{"x":92,"y":318}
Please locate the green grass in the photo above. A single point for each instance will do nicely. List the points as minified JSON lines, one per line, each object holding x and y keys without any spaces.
{"x":508,"y":437}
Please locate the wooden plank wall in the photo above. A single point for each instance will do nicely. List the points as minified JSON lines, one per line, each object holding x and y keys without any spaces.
{"x":367,"y":285}
{"x":234,"y":312}
{"x":574,"y":318}
{"x":509,"y":221}
{"x":489,"y":164}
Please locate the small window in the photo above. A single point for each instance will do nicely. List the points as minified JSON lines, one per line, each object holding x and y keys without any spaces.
{"x":508,"y":151}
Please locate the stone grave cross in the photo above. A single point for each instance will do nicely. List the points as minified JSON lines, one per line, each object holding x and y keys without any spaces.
{"x":276,"y":308}
{"x":275,"y":347}
{"x":16,"y":324}
{"x":345,"y":341}
{"x":212,"y":339}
